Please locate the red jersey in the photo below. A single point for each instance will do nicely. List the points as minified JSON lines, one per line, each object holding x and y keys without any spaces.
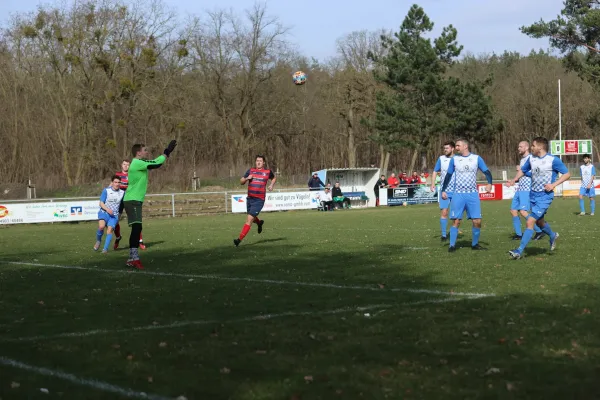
{"x":257,"y":187}
{"x":124,"y":179}
{"x":393,"y":182}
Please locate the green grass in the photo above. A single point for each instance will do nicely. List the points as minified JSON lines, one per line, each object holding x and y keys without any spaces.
{"x":536,"y":338}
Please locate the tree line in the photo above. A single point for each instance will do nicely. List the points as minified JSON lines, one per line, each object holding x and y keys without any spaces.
{"x":81,"y":83}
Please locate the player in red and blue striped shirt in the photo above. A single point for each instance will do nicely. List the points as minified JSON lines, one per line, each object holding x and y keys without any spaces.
{"x":123,"y":175}
{"x":257,"y":189}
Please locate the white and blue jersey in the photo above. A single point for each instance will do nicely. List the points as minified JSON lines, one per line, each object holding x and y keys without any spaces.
{"x":544,"y":171}
{"x":524,"y":184}
{"x":588,"y":172}
{"x":521,"y":200}
{"x":466,"y":195}
{"x":111,"y":199}
{"x":441,"y":167}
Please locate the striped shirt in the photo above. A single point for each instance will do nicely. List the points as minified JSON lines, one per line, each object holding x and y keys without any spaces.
{"x":257,"y":187}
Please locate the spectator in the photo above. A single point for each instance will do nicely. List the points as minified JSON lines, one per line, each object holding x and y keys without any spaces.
{"x":393,"y":182}
{"x":381,"y":184}
{"x":414,"y":179}
{"x":404,"y":179}
{"x":326,"y":200}
{"x":338,"y":197}
{"x":315,"y":183}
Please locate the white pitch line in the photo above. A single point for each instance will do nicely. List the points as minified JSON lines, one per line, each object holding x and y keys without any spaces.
{"x":92,"y":383}
{"x":261,"y":317}
{"x":254,"y":280}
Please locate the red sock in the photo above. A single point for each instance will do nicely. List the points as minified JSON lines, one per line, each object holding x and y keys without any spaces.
{"x":141,"y":240}
{"x":245,"y":231}
{"x":256,"y":220}
{"x":118,"y":231}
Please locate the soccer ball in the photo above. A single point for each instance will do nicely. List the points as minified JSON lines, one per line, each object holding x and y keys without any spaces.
{"x":299,"y":78}
{"x":405,"y":204}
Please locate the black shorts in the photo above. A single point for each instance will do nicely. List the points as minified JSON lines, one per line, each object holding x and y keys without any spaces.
{"x":254,"y":206}
{"x":134,"y":211}
{"x":121,"y":207}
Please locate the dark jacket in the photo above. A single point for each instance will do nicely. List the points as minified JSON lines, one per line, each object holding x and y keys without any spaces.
{"x":315,"y":183}
{"x":336,"y":192}
{"x":380,"y":183}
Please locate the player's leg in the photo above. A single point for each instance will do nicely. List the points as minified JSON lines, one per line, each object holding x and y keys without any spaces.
{"x":118,"y":226}
{"x":473,"y":207}
{"x":253,"y":208}
{"x":259,"y":223}
{"x":457,"y":208}
{"x":134,"y":219}
{"x":112,"y":222}
{"x":444,"y":207}
{"x":582,"y":192}
{"x":514,"y":212}
{"x":592,"y":195}
{"x":99,"y":232}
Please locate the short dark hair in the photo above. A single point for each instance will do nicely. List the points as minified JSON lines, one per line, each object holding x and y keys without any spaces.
{"x":137,"y":147}
{"x":450,"y":143}
{"x":541,"y":140}
{"x":587,"y":156}
{"x":125,"y":160}
{"x":115,"y":177}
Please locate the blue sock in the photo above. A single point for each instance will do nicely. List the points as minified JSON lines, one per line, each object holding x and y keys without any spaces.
{"x":517,"y":225}
{"x":453,"y":235}
{"x":99,"y":234}
{"x":581,"y":205}
{"x":476,"y":234}
{"x":108,"y":240}
{"x":547,"y":230}
{"x":526,"y":238}
{"x":593,"y":205}
{"x":444,"y":226}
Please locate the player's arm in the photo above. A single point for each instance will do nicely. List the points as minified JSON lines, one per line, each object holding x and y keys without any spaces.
{"x":247,"y":177}
{"x":486,"y":171}
{"x":436,"y":170}
{"x":103,"y":206}
{"x":558,"y":166}
{"x":273,"y":179}
{"x":591,"y":185}
{"x":525,"y":170}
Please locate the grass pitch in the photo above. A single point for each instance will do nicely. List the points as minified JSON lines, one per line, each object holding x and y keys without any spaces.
{"x":358,"y":304}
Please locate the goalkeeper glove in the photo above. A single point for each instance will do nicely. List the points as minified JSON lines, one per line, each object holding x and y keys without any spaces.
{"x":170,"y":147}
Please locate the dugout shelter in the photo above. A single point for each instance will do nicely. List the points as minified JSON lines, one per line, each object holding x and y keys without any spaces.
{"x":356,"y":183}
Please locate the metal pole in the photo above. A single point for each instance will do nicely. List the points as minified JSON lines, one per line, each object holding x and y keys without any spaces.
{"x":173,"y":203}
{"x":559,"y":117}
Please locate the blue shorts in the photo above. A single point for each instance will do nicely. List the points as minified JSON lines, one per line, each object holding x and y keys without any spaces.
{"x":591,"y":192}
{"x":254,"y":206}
{"x":540,"y":202}
{"x":521,"y":201}
{"x":444,"y":204}
{"x":468,"y":202}
{"x":111,"y":220}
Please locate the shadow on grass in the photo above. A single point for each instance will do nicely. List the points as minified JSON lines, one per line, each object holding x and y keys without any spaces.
{"x":519,"y":345}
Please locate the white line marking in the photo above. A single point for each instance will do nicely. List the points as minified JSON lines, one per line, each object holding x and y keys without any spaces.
{"x":268,"y":281}
{"x":262,"y":317}
{"x":95,"y":384}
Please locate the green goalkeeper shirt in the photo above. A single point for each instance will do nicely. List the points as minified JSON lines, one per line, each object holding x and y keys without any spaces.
{"x":138,"y":177}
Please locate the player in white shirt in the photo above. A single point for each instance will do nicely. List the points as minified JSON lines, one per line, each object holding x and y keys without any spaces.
{"x":464,"y":165}
{"x":588,"y":174}
{"x":108,"y":215}
{"x":521,"y":203}
{"x":441,"y":168}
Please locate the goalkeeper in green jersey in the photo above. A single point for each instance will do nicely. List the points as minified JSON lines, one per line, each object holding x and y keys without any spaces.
{"x":136,"y":192}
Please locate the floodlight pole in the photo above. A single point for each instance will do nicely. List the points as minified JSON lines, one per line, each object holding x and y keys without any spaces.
{"x":559,"y":118}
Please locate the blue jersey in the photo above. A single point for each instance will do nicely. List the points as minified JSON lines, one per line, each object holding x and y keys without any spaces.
{"x":112,"y":199}
{"x":441,"y":166}
{"x":524,"y":184}
{"x":587,"y":172}
{"x":544,"y":170}
{"x":464,"y":169}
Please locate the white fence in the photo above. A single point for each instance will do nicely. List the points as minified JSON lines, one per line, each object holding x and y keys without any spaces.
{"x":72,"y":209}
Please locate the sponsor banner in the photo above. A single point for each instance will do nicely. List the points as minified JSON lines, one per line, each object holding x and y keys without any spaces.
{"x":416,"y":194}
{"x":279,"y":201}
{"x":495,"y":194}
{"x":30,"y":213}
{"x":572,"y":187}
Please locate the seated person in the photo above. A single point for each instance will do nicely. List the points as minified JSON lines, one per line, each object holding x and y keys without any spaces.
{"x":326,"y":200}
{"x":338,"y":197}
